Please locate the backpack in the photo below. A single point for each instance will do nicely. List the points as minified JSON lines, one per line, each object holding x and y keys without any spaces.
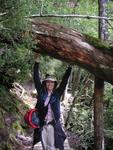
{"x":31,"y":118}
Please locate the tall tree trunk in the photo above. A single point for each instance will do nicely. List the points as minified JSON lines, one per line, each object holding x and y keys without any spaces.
{"x":98,"y":114}
{"x":99,"y":87}
{"x":103,"y":32}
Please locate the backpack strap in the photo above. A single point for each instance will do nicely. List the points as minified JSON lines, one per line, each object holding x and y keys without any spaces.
{"x":49,"y":99}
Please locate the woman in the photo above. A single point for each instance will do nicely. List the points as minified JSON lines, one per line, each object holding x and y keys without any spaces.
{"x":50,"y":133}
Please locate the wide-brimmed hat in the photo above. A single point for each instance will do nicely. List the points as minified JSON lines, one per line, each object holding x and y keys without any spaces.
{"x":50,"y":78}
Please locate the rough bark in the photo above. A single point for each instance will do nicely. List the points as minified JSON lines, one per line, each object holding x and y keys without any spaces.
{"x":74,"y":47}
{"x":98,"y":115}
{"x":99,"y":86}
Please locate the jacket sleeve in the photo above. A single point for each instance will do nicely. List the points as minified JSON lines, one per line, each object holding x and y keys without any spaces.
{"x":37,"y":81}
{"x":64,"y":81}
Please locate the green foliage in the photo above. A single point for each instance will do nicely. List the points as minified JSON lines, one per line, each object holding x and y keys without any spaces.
{"x":4,"y":145}
{"x":15,"y":41}
{"x":108,"y":93}
{"x":53,"y":66}
{"x":16,"y":60}
{"x":7,"y":102}
{"x":16,"y":11}
{"x":9,"y":107}
{"x":14,"y":24}
{"x":109,"y":119}
{"x":16,"y":126}
{"x":81,"y":125}
{"x":15,"y":64}
{"x":1,"y":118}
{"x":108,"y":115}
{"x":78,"y":7}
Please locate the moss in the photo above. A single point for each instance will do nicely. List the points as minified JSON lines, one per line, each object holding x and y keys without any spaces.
{"x":17,"y":127}
{"x":99,"y":44}
{"x":1,"y":119}
{"x":7,"y":102}
{"x":8,"y":106}
{"x":5,"y":146}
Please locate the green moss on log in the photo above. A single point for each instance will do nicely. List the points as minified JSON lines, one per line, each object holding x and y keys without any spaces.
{"x":99,"y":44}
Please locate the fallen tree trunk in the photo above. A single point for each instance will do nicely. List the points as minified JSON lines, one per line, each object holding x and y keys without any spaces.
{"x":73,"y":47}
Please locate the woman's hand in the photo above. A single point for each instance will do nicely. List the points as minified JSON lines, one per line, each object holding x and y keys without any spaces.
{"x":37,"y":57}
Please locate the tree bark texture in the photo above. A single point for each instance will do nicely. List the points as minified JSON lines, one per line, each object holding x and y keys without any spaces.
{"x":103,"y":28}
{"x":75,"y":48}
{"x":98,"y":114}
{"x":99,"y":86}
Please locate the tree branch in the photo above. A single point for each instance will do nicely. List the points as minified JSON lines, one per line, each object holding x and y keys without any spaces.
{"x":70,"y":16}
{"x":1,"y":14}
{"x":75,"y":48}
